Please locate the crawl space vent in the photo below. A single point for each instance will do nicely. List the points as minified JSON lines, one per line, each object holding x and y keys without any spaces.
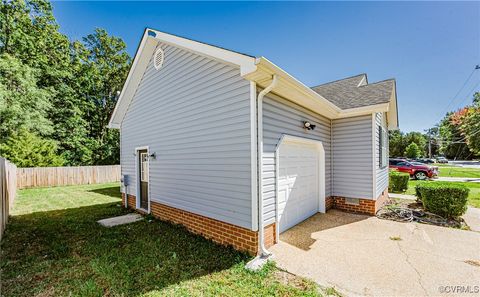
{"x":158,"y":59}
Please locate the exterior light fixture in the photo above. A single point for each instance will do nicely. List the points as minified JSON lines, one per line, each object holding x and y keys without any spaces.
{"x":153,"y":156}
{"x":308,"y":126}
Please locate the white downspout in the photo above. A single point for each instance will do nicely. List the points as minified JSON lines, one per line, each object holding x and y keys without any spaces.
{"x":263,"y":250}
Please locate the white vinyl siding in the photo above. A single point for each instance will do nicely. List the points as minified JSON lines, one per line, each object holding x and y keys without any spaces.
{"x":280,"y":117}
{"x":352,"y":157}
{"x":194,"y":113}
{"x":381,"y":172}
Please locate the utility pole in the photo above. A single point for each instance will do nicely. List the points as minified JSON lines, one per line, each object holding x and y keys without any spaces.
{"x":429,"y":146}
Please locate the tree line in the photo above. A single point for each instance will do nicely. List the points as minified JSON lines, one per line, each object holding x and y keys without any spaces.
{"x":456,"y":136}
{"x":56,"y":94}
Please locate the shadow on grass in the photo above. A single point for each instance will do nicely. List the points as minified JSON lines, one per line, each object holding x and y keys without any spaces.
{"x":66,"y":252}
{"x":109,"y":191}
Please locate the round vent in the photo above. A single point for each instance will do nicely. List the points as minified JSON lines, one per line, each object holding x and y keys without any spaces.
{"x":158,"y":59}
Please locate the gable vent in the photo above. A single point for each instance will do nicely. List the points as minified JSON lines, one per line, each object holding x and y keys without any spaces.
{"x":158,"y":59}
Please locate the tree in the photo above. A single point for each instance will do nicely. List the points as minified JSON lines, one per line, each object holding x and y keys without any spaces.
{"x":396,"y":143}
{"x":471,"y":125}
{"x":22,"y":104}
{"x":412,"y":151}
{"x":75,"y":82}
{"x":26,"y":149}
{"x":104,"y":64}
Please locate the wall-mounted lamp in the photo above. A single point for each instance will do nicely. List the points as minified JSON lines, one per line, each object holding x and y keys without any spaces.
{"x":153,"y":156}
{"x":309,"y":126}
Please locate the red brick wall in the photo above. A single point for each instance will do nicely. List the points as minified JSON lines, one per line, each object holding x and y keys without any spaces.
{"x":329,"y":202}
{"x":241,"y":238}
{"x":132,"y":202}
{"x":381,"y":199}
{"x":227,"y":234}
{"x":364,"y":206}
{"x":270,"y":235}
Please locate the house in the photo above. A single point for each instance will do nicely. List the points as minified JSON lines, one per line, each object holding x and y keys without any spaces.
{"x":238,"y":150}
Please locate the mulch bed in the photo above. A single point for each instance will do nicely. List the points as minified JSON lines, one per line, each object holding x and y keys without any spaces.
{"x":404,"y":210}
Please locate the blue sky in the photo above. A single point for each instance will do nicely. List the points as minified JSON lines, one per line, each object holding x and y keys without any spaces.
{"x":430,"y":48}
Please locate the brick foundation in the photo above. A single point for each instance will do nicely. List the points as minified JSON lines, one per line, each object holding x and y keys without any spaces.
{"x":132,"y":201}
{"x":357,"y":205}
{"x":224,"y":233}
{"x":241,"y":238}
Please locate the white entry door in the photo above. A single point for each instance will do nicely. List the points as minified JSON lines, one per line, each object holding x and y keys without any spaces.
{"x":298,"y":182}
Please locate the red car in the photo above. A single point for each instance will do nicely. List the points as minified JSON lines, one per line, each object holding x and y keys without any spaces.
{"x":415,"y":169}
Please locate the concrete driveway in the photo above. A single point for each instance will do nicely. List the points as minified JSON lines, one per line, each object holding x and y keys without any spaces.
{"x":359,"y":256}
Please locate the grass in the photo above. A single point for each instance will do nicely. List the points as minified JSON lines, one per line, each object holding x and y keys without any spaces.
{"x":473,"y":196}
{"x":454,"y":171}
{"x":54,"y":247}
{"x":56,"y":198}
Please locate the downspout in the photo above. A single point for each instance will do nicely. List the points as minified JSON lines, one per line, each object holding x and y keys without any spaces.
{"x":261,"y":232}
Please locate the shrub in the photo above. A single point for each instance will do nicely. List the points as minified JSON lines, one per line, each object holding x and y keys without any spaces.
{"x":398,"y":181}
{"x":442,"y":198}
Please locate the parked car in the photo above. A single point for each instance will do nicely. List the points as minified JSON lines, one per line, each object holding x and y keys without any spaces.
{"x":426,"y":160}
{"x":442,"y":160}
{"x":416,"y":170}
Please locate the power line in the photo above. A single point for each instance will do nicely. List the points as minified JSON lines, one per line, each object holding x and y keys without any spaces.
{"x":477,"y":67}
{"x":471,"y":92}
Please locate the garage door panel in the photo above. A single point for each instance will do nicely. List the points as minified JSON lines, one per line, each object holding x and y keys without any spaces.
{"x":298,"y":182}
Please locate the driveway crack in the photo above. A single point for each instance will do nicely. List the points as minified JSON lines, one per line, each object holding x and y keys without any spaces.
{"x":407,"y":259}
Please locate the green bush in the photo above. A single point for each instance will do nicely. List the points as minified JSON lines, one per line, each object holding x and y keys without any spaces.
{"x":443,"y":198}
{"x":398,"y":182}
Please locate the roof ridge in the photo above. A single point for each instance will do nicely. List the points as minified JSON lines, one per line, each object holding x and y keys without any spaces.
{"x":337,"y":80}
{"x":378,"y":82}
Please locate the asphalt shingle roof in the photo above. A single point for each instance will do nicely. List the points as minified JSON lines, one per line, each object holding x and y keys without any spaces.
{"x":355,"y":92}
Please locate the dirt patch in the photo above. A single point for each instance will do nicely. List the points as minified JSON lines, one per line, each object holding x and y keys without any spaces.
{"x":473,"y":262}
{"x":290,"y":279}
{"x":403,"y":210}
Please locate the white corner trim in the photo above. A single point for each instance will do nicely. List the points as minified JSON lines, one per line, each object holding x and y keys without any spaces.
{"x":374,"y":154}
{"x":253,"y":154}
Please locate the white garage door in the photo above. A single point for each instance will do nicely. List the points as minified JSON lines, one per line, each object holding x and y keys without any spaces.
{"x":298,"y":183}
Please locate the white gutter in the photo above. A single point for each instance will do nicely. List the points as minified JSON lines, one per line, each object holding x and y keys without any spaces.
{"x":261,"y":232}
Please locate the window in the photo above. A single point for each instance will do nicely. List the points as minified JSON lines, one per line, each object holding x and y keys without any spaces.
{"x":383,"y":147}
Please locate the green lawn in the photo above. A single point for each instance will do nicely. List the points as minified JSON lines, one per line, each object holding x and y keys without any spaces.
{"x":473,"y":196}
{"x":54,"y":247}
{"x":453,"y":171}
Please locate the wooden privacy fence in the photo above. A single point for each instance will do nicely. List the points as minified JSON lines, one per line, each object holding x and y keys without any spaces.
{"x":8,"y":188}
{"x":63,"y":176}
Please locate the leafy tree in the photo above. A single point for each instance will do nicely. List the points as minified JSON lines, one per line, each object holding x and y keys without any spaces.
{"x":396,"y":143}
{"x":471,"y":125}
{"x":412,"y":151}
{"x":102,"y":72}
{"x":75,"y":83}
{"x":22,"y":104}
{"x":26,"y":149}
{"x":29,"y":32}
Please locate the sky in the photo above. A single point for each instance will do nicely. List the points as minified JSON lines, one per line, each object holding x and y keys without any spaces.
{"x":430,"y":48}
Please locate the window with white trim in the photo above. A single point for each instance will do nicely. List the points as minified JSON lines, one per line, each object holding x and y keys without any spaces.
{"x":383,"y":147}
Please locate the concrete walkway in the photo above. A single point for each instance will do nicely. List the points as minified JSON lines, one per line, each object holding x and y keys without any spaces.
{"x":366,"y":256}
{"x":458,"y":179}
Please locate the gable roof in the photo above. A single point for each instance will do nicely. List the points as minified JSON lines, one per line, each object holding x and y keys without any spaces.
{"x":355,"y":91}
{"x":260,"y":71}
